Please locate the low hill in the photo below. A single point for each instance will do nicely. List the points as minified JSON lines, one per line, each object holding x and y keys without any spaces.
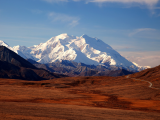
{"x":151,"y":74}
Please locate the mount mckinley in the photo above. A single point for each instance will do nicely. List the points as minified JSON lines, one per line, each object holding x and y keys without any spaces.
{"x":84,"y":49}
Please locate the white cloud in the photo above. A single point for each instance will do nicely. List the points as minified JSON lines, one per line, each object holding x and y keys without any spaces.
{"x":136,"y":31}
{"x":63,"y":18}
{"x":149,"y":58}
{"x":74,"y":23}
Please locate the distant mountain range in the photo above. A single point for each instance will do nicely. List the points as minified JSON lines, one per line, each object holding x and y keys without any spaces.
{"x":84,"y":49}
{"x":15,"y":67}
{"x":72,"y":68}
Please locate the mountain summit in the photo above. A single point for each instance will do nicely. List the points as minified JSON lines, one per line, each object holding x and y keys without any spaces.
{"x":84,"y":49}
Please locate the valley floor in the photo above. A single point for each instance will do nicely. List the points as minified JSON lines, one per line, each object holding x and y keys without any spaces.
{"x":79,"y":98}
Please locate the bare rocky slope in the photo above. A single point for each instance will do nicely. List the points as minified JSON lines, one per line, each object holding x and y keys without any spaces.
{"x":15,"y":67}
{"x":72,"y":68}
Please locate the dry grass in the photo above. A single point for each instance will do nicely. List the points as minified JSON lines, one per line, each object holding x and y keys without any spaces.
{"x":79,"y":98}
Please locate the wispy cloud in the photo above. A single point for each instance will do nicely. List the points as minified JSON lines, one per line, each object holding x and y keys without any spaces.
{"x":36,"y":11}
{"x":21,"y":41}
{"x":64,"y":18}
{"x":156,"y":8}
{"x":148,"y":58}
{"x":55,"y":1}
{"x":149,"y":3}
{"x":136,"y":31}
{"x":122,"y":47}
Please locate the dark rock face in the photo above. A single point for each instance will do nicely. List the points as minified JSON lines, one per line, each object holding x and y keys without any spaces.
{"x":15,"y":67}
{"x":8,"y":70}
{"x":11,"y":57}
{"x":72,"y":68}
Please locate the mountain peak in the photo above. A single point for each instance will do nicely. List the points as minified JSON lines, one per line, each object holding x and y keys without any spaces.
{"x":141,"y":67}
{"x":62,"y":36}
{"x":85,"y":36}
{"x":2,"y":43}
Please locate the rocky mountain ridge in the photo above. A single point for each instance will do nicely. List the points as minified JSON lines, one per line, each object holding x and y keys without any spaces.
{"x":15,"y":67}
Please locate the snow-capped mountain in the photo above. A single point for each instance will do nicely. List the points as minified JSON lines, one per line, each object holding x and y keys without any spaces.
{"x":141,"y":67}
{"x":24,"y":52}
{"x":2,"y":43}
{"x":82,"y":49}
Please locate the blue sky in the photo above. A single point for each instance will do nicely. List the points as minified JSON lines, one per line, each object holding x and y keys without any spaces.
{"x":132,"y":27}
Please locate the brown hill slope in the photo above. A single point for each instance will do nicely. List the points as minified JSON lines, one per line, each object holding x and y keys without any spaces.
{"x":151,"y":74}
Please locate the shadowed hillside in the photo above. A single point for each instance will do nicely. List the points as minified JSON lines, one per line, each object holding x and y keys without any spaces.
{"x":15,"y":67}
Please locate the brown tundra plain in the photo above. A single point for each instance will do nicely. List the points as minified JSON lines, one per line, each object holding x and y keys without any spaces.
{"x":81,"y":98}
